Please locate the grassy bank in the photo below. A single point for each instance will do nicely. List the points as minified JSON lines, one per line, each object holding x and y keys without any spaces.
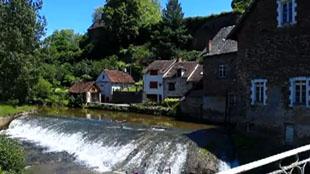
{"x":7,"y":110}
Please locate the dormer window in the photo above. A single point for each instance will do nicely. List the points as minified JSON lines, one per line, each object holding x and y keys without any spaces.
{"x":286,"y":12}
{"x":180,"y":72}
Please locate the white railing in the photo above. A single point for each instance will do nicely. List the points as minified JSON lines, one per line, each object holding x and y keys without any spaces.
{"x":295,"y":166}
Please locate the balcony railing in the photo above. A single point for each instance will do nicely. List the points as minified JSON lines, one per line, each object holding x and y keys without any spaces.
{"x":298,"y":166}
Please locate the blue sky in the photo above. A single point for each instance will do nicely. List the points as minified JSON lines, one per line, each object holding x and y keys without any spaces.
{"x":77,"y":14}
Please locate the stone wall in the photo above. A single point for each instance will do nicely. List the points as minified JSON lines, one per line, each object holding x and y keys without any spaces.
{"x":5,"y":121}
{"x":127,"y":97}
{"x":275,"y":54}
{"x":192,"y":105}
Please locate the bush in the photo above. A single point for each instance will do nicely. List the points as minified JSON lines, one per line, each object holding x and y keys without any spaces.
{"x":12,"y":157}
{"x":171,"y":102}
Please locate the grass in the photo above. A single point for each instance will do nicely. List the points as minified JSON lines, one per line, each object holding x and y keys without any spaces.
{"x":7,"y":110}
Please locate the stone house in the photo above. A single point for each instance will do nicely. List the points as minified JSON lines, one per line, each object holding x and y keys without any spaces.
{"x":273,"y":71}
{"x":113,"y":80}
{"x":219,"y":76}
{"x":170,"y":79}
{"x":89,"y":92}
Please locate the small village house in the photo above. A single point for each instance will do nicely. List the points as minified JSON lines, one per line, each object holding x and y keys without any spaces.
{"x":113,"y":80}
{"x":89,"y":92}
{"x":153,"y":79}
{"x":170,"y":79}
{"x":273,"y":68}
{"x":219,"y":76}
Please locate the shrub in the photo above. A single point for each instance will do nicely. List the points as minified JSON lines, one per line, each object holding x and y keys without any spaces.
{"x":171,"y":102}
{"x":12,"y":157}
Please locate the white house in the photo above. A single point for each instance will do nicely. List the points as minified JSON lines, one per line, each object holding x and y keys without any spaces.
{"x":170,"y":79}
{"x":153,"y":79}
{"x":112,"y":80}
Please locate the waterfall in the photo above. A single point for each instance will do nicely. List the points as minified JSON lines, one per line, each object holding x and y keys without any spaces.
{"x":105,"y":146}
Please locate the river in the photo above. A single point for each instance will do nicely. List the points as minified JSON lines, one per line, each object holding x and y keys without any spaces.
{"x":92,"y":141}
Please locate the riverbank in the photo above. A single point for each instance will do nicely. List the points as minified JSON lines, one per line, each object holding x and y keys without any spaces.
{"x":10,"y":110}
{"x":143,"y":108}
{"x":8,"y":113}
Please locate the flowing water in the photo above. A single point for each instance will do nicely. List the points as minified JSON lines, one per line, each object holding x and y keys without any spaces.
{"x":58,"y":144}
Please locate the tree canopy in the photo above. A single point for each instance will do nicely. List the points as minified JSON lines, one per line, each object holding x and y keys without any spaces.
{"x":21,"y":28}
{"x":171,"y":35}
{"x":240,"y":5}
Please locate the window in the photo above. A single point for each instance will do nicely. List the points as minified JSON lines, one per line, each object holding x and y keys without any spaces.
{"x":300,"y":91}
{"x":286,"y":12}
{"x":153,"y":85}
{"x":259,"y":91}
{"x":154,"y":72}
{"x":222,"y":71}
{"x":180,"y":72}
{"x":289,"y":133}
{"x":171,"y":86}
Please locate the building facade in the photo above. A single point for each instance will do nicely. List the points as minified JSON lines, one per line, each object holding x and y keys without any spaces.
{"x":113,"y":80}
{"x":273,"y":68}
{"x":219,"y":76}
{"x":170,"y":79}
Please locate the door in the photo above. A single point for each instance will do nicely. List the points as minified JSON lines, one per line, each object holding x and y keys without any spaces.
{"x":289,"y":133}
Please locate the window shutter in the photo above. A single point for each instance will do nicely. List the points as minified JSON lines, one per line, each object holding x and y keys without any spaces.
{"x":279,"y":13}
{"x":308,"y":92}
{"x":292,"y":93}
{"x":265,"y":92}
{"x":294,"y":12}
{"x":252,"y":92}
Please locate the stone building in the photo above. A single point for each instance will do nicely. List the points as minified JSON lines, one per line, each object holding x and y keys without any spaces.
{"x":219,"y":76}
{"x":273,"y":71}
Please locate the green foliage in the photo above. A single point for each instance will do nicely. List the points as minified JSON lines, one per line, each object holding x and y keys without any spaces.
{"x":62,"y":46}
{"x":21,"y":27}
{"x":76,"y":100}
{"x":42,"y":90}
{"x":171,"y":102}
{"x":240,"y":5}
{"x":171,"y":35}
{"x":12,"y":158}
{"x":190,"y":55}
{"x":8,"y":109}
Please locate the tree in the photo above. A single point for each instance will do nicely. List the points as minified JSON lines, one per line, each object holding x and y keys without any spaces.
{"x":124,"y":23}
{"x":240,"y":5}
{"x":21,"y":28}
{"x":62,"y":46}
{"x":171,"y":35}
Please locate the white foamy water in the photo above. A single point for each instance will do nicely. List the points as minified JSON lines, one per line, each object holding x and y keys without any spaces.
{"x":97,"y":155}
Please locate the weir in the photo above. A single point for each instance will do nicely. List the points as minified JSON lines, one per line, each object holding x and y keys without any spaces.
{"x":107,"y":146}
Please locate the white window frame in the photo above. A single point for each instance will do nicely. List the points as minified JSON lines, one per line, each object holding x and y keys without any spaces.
{"x":254,"y":84}
{"x":292,"y":89}
{"x":222,"y":71}
{"x":280,"y":9}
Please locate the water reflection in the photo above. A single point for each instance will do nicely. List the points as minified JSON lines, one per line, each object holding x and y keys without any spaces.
{"x":123,"y":117}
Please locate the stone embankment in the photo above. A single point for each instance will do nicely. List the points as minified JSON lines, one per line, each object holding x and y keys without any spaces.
{"x":5,"y":121}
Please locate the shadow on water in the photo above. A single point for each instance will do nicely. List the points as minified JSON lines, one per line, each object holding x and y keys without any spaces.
{"x":216,"y":141}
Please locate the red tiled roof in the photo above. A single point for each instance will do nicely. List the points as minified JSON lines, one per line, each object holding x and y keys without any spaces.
{"x":82,"y":87}
{"x":119,"y":77}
